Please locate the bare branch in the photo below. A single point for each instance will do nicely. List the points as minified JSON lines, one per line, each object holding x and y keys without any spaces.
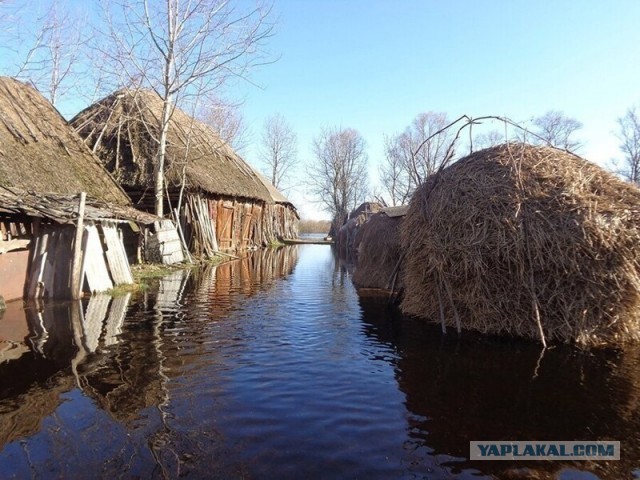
{"x":182,"y":50}
{"x":629,"y":135}
{"x":557,"y":130}
{"x":278,"y":150}
{"x":338,"y":176}
{"x":226,"y":119}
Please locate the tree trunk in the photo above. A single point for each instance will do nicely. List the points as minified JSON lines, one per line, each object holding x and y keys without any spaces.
{"x":159,"y":171}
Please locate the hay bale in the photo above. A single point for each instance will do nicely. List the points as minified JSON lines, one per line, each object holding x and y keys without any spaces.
{"x":379,"y":250}
{"x":346,"y":235}
{"x":516,"y":233}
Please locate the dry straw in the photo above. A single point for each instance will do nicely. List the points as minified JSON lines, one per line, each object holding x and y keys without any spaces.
{"x":526,"y":241}
{"x":379,"y":250}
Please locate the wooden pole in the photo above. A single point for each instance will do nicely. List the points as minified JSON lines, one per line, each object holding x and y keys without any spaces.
{"x":76,"y":273}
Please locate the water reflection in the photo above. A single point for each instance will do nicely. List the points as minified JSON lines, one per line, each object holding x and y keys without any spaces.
{"x":114,"y":352}
{"x":480,"y":388}
{"x":272,"y":367}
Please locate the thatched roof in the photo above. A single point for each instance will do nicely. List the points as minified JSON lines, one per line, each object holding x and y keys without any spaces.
{"x":526,"y":240}
{"x":394,"y":212}
{"x":346,"y":238}
{"x":274,"y":193}
{"x":123,"y":129}
{"x":40,"y":152}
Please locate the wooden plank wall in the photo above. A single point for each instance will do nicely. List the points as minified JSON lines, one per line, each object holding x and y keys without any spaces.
{"x":116,"y":255}
{"x":164,"y":246}
{"x":213,"y":223}
{"x":94,"y":265}
{"x":104,"y":260}
{"x":50,"y":274}
{"x":201,"y":237}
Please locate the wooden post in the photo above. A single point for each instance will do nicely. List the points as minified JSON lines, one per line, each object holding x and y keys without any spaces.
{"x":76,"y":272}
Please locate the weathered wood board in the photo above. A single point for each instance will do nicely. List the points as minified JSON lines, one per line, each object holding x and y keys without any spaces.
{"x":116,"y":255}
{"x":94,"y":265}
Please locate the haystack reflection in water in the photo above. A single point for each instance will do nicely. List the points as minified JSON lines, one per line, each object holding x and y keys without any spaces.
{"x":272,"y":367}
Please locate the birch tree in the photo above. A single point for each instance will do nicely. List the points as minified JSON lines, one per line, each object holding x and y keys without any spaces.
{"x":278,"y":149}
{"x":629,"y":136}
{"x":182,"y":48}
{"x":338,"y":176}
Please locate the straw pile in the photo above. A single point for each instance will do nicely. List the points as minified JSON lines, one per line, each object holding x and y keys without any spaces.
{"x":526,"y":241}
{"x":379,"y":250}
{"x":345,"y":239}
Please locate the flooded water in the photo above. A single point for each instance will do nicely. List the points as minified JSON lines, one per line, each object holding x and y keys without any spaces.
{"x":273,"y":367}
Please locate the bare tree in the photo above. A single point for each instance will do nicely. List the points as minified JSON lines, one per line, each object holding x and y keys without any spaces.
{"x":394,"y":177}
{"x":338,"y":176}
{"x":181,"y":49}
{"x":227,"y":120}
{"x":487,"y":140}
{"x":279,"y":149}
{"x":556,"y":129}
{"x":423,"y":150}
{"x":416,"y":153}
{"x":49,"y":55}
{"x":629,"y":135}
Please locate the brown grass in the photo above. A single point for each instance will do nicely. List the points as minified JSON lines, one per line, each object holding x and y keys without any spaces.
{"x":314,"y":226}
{"x":379,"y":250}
{"x":516,"y":238}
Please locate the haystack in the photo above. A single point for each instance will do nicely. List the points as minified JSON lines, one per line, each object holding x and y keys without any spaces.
{"x":526,"y":241}
{"x":379,"y":251}
{"x":345,"y":239}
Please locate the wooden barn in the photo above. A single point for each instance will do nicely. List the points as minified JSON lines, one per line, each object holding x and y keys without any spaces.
{"x":39,"y":152}
{"x":223,"y":204}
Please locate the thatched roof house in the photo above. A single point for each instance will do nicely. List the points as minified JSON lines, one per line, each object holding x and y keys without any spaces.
{"x":122,"y":129}
{"x":44,"y":167}
{"x":526,"y":241}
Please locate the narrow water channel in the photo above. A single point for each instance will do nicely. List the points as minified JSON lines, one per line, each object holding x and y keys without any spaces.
{"x":273,"y":367}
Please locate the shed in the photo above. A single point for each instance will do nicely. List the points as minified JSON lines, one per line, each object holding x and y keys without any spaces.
{"x":226,"y":206}
{"x":44,"y":166}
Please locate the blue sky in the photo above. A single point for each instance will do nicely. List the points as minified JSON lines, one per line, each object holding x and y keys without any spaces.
{"x":374,"y":65}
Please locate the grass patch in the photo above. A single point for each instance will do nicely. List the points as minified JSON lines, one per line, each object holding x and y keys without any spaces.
{"x":151,"y":271}
{"x":121,"y":290}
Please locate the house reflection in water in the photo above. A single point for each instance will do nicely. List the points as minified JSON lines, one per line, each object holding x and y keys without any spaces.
{"x":117,"y":351}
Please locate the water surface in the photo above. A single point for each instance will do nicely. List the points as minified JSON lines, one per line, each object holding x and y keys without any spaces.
{"x":273,"y":367}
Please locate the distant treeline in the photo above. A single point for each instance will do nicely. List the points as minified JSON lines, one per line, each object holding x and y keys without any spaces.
{"x":314,"y":226}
